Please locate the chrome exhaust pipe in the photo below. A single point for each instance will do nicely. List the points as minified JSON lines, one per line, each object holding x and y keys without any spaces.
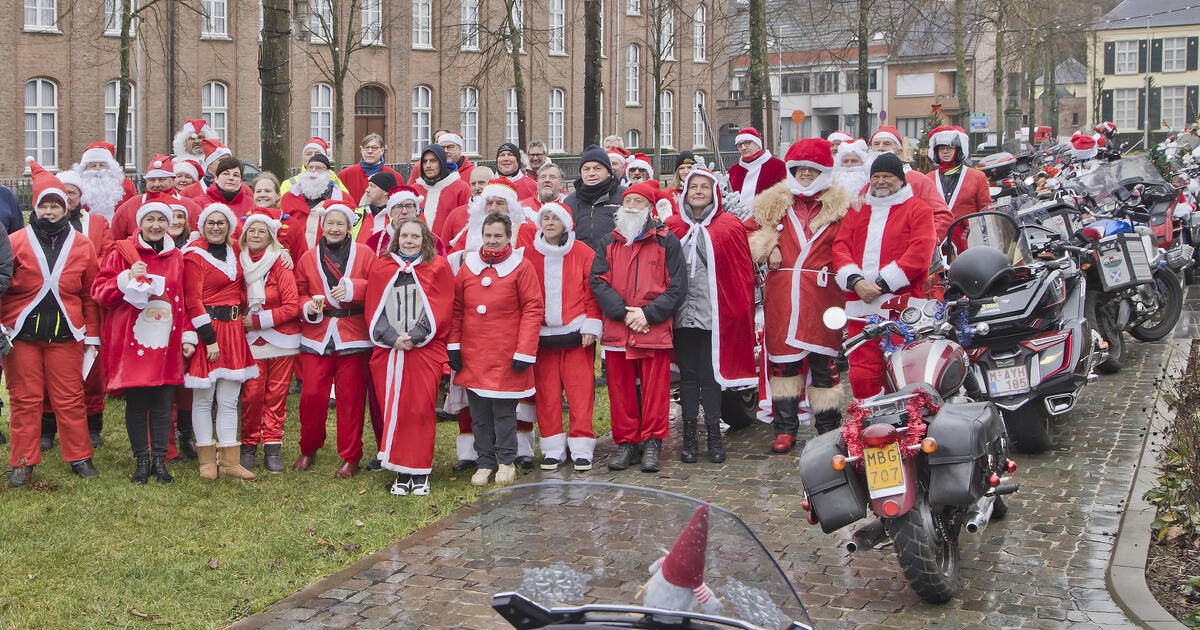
{"x":979,"y":515}
{"x":1059,"y":404}
{"x":868,"y":536}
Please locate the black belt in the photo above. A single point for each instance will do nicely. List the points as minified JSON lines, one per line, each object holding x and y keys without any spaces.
{"x":223,"y":313}
{"x":342,"y":312}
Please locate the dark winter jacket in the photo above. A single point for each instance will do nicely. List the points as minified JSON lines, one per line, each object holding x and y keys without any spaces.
{"x":593,"y":208}
{"x":649,"y":274}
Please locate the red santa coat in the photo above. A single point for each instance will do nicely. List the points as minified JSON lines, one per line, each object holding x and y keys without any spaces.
{"x":241,"y":204}
{"x":303,"y":223}
{"x":498,"y":311}
{"x":534,"y":204}
{"x":794,"y":299}
{"x":212,"y":282}
{"x":355,"y":179}
{"x":199,"y":188}
{"x":142,"y":345}
{"x":347,"y":333}
{"x":275,"y":326}
{"x":970,"y":194}
{"x":73,"y":274}
{"x":730,"y":289}
{"x":124,"y":221}
{"x":753,"y":177}
{"x":441,"y":198}
{"x":95,"y":228}
{"x":889,"y":238}
{"x":926,"y":191}
{"x":563,"y":272}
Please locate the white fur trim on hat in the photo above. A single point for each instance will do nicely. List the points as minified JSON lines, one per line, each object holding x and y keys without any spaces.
{"x":857,"y":147}
{"x":451,"y":137}
{"x":156,"y":170}
{"x":887,"y":134}
{"x":639,"y":163}
{"x":219,"y":153}
{"x":498,"y":190}
{"x":186,"y":166}
{"x":948,"y":137}
{"x":314,"y":145}
{"x":96,"y":154}
{"x":745,"y":137}
{"x":153,"y":206}
{"x":56,"y":191}
{"x":558,"y":210}
{"x":351,"y":216}
{"x":216,"y":207}
{"x":257,"y":217}
{"x":71,"y":177}
{"x":839,"y":136}
{"x":404,"y":195}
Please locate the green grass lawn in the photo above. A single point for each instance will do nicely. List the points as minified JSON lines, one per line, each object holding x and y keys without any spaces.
{"x":195,"y":554}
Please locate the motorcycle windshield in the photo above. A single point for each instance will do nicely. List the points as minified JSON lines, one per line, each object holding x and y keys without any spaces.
{"x":1137,"y":170}
{"x":993,"y":229}
{"x":1098,"y":182}
{"x":569,"y":545}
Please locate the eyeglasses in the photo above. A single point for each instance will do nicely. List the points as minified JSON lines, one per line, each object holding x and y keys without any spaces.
{"x":536,"y":154}
{"x":371,"y":147}
{"x":406,"y":205}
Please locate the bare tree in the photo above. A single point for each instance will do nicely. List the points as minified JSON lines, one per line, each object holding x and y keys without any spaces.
{"x":756,"y":72}
{"x":274,"y":75}
{"x":592,"y":77}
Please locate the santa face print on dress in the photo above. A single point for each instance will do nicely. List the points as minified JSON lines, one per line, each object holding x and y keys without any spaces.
{"x":152,"y":329}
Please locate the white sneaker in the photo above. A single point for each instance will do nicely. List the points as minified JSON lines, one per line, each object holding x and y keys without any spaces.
{"x":420,"y":485}
{"x":506,"y":474}
{"x":480,"y":478}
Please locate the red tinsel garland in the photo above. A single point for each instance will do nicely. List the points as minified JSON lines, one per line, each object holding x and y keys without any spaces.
{"x":916,"y":407}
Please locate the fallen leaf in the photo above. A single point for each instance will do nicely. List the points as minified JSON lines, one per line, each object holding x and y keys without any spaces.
{"x":351,"y":548}
{"x":363,"y":491}
{"x":137,"y":613}
{"x":275,"y":564}
{"x":1174,"y":532}
{"x":358,"y":522}
{"x":212,"y":563}
{"x":311,"y":531}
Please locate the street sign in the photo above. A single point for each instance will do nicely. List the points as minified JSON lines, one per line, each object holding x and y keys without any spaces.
{"x":883,"y":115}
{"x":980,"y":120}
{"x":798,"y":116}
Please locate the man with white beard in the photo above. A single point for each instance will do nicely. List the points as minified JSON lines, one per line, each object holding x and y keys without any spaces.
{"x":104,"y":184}
{"x":188,"y":142}
{"x":312,"y":188}
{"x":852,"y":166}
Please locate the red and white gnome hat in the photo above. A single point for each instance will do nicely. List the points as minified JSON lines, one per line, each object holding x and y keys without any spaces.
{"x":191,"y":167}
{"x":213,"y":151}
{"x":316,"y":143}
{"x":98,"y":152}
{"x":814,"y":153}
{"x":271,"y":218}
{"x":338,"y":205}
{"x":639,"y":160}
{"x":749,"y":134}
{"x":839,"y":136}
{"x":677,"y":582}
{"x":402,"y":193}
{"x":193,"y":128}
{"x":45,"y":184}
{"x":160,"y":166}
{"x":948,"y":136}
{"x":1083,"y":146}
{"x":887,"y":131}
{"x":500,"y":187}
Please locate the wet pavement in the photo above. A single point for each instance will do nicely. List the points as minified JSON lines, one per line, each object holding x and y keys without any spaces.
{"x":1041,"y":567}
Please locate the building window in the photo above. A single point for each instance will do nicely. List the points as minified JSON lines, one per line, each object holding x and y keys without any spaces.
{"x":798,"y":83}
{"x":112,"y":107}
{"x":511,"y":131}
{"x":666,"y":33}
{"x":112,"y":17}
{"x":633,"y":91}
{"x":422,"y":26}
{"x":601,"y":28}
{"x":699,"y":34}
{"x":469,"y":30}
{"x":852,"y":80}
{"x":41,"y":15}
{"x":911,"y":127}
{"x":320,"y":20}
{"x":1125,"y":109}
{"x":633,"y":7}
{"x":1126,"y":57}
{"x":214,"y":106}
{"x":558,"y":26}
{"x":372,"y":22}
{"x":827,"y":82}
{"x":41,"y":121}
{"x":556,"y":121}
{"x":422,"y":102}
{"x":1174,"y":103}
{"x":1074,"y":118}
{"x":1174,"y":54}
{"x":633,"y":139}
{"x":698,"y":120}
{"x":601,"y":125}
{"x":666,"y":112}
{"x":518,"y":23}
{"x":215,"y":24}
{"x":321,"y":111}
{"x":468,"y":119}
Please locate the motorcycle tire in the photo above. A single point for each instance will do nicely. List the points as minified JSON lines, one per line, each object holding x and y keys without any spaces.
{"x":926,"y":544}
{"x":739,"y":407}
{"x":999,"y":508}
{"x":1170,"y":306}
{"x":1028,"y":427}
{"x":1101,"y":320}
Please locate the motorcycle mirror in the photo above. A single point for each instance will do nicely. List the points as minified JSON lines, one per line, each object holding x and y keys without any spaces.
{"x":1138,"y":190}
{"x":834,"y":318}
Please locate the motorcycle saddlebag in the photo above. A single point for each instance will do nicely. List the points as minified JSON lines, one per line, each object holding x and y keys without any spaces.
{"x":836,"y":497}
{"x":965,"y":434}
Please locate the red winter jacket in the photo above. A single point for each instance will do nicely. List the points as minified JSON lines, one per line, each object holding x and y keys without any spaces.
{"x":650,"y":274}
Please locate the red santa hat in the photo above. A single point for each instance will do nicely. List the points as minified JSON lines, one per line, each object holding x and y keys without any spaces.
{"x":98,"y":152}
{"x":839,"y":136}
{"x":213,"y":151}
{"x":620,"y":153}
{"x":153,"y":206}
{"x":647,"y":189}
{"x":319,"y":144}
{"x":197,"y":126}
{"x":749,"y":134}
{"x":558,"y":210}
{"x":337,"y":205}
{"x":503,"y":188}
{"x":188,"y":167}
{"x":218,"y":208}
{"x":400,"y":194}
{"x":639,"y":160}
{"x":857,"y":147}
{"x":948,"y":136}
{"x":71,"y":177}
{"x":269,"y":217}
{"x":160,"y":166}
{"x":45,"y":184}
{"x":1083,"y":146}
{"x":1107,"y":127}
{"x":451,"y":137}
{"x":887,"y":131}
{"x":815,"y":153}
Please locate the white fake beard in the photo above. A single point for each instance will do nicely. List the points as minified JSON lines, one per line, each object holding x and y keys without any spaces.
{"x":630,"y":223}
{"x":663,"y":595}
{"x":312,"y":185}
{"x":477,"y":212}
{"x":102,"y":191}
{"x":546,"y":195}
{"x":152,"y":328}
{"x":852,"y":178}
{"x":180,"y":145}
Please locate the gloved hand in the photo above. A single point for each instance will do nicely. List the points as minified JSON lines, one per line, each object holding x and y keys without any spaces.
{"x":520,"y":365}
{"x":455,"y":360}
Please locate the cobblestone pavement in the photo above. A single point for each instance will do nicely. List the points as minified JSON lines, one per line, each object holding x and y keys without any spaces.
{"x":1041,"y":567}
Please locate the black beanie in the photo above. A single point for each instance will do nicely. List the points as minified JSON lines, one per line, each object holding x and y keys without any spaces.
{"x":594,"y":153}
{"x":384,"y":179}
{"x":511,"y":148}
{"x":889,"y":163}
{"x":319,"y":157}
{"x":684,"y":158}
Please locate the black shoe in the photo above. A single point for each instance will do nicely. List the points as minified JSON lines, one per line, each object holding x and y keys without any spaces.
{"x":650,"y":455}
{"x":141,"y":470}
{"x":84,"y":468}
{"x":271,"y":458}
{"x":46,"y":443}
{"x":185,"y":440}
{"x":582,"y":465}
{"x":20,"y":476}
{"x":716,"y":449}
{"x":549,"y":463}
{"x":158,"y":466}
{"x":95,"y":423}
{"x":627,"y":455}
{"x":2,"y":438}
{"x":691,"y":443}
{"x":374,"y":464}
{"x":463,"y":464}
{"x":524,"y":462}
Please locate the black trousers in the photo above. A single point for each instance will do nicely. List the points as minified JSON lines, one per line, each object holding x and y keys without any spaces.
{"x":822,"y":371}
{"x":697,"y":385}
{"x":494,"y":422}
{"x":148,"y":419}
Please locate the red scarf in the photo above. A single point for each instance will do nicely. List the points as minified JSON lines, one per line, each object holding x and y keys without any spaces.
{"x":948,"y":168}
{"x":497,"y":257}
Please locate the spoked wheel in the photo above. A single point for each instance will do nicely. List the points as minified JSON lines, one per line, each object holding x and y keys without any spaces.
{"x":1169,"y":295}
{"x":926,"y":543}
{"x":1103,"y":319}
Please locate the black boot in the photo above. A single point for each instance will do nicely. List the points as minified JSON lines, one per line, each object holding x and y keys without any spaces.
{"x":652,"y":449}
{"x":95,"y":424}
{"x":85,"y":468}
{"x":141,"y":471}
{"x":691,"y":443}
{"x":716,"y":449}
{"x":247,"y":456}
{"x":2,"y":438}
{"x":158,"y":466}
{"x":271,"y":458}
{"x":49,"y":428}
{"x":828,"y":420}
{"x":20,"y":476}
{"x":185,"y":440}
{"x":627,"y":454}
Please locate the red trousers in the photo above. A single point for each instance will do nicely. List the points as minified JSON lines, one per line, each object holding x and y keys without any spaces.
{"x":93,"y":390}
{"x":346,"y":373}
{"x":866,"y":365}
{"x":565,"y":370}
{"x":36,"y":369}
{"x":264,"y":401}
{"x":407,"y":384}
{"x":653,"y":371}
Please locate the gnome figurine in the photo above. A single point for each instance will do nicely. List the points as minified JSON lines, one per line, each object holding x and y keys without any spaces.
{"x":677,"y":579}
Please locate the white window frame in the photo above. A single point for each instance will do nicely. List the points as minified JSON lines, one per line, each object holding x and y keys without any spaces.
{"x":633,"y":79}
{"x":372,"y":22}
{"x":518,"y":20}
{"x":602,"y":55}
{"x":512,"y":133}
{"x":1125,"y":108}
{"x":1178,"y":50}
{"x":601,"y":125}
{"x":44,"y":130}
{"x":633,"y":7}
{"x":558,"y":27}
{"x":216,"y":18}
{"x":41,"y":15}
{"x":698,"y":134}
{"x":214,"y":107}
{"x":666,"y":120}
{"x":556,"y":121}
{"x":320,"y":18}
{"x":468,"y":119}
{"x":633,"y":139}
{"x":422,"y":27}
{"x":700,"y":34}
{"x":666,"y":32}
{"x":468,"y":18}
{"x":1176,"y":115}
{"x":422,"y":118}
{"x":112,"y":105}
{"x":320,"y":111}
{"x":112,"y":18}
{"x":1125,"y":56}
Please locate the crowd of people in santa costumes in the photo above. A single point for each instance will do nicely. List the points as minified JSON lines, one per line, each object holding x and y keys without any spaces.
{"x":756,"y":170}
{"x":302,"y":204}
{"x":442,"y":186}
{"x":355,"y":178}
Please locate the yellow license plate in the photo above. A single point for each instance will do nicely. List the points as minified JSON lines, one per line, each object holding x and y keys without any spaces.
{"x":885,"y":473}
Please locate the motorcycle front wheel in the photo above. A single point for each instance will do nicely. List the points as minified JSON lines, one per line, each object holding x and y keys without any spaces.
{"x":926,"y":543}
{"x":1102,"y":319}
{"x":1029,"y":426}
{"x":1170,"y":306}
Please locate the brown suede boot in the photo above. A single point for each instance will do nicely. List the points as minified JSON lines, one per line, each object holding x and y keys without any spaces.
{"x":229,"y":464}
{"x":207,"y":456}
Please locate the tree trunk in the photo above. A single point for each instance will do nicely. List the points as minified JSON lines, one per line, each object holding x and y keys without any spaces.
{"x":755,"y":74}
{"x":1032,"y":65}
{"x":960,"y":68}
{"x":336,"y":52}
{"x":1051,"y":92}
{"x":592,"y":78}
{"x":998,"y":74}
{"x":658,"y":86}
{"x":123,"y":83}
{"x":864,"y":105}
{"x":274,"y":76}
{"x":514,"y":53}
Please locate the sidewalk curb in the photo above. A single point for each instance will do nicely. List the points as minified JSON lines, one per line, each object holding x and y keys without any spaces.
{"x":1126,"y":575}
